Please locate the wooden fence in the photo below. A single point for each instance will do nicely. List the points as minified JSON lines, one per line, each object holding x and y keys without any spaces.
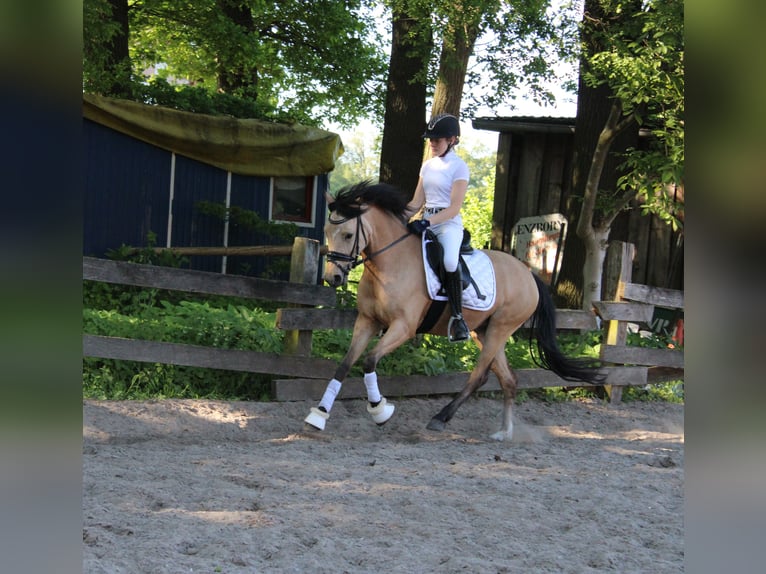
{"x":311,"y":307}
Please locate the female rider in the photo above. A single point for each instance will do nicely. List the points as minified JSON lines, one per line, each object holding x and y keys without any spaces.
{"x":442,"y":187}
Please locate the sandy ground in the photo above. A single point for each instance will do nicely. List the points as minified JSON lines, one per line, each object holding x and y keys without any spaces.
{"x":204,"y":486}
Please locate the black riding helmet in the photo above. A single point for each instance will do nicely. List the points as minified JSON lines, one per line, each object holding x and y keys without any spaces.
{"x":442,"y":126}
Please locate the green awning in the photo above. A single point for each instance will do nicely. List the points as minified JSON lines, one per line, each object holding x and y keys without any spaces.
{"x":242,"y":146}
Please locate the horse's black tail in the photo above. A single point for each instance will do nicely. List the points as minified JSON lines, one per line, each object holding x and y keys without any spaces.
{"x":550,"y":355}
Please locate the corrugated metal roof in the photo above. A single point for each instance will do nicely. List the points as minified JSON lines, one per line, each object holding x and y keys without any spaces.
{"x":525,"y":124}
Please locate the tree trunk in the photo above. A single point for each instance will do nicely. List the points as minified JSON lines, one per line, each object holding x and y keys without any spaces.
{"x":401,"y":150}
{"x":594,"y":106}
{"x":592,"y":111}
{"x":453,"y":66}
{"x":595,"y":252}
{"x":118,"y":63}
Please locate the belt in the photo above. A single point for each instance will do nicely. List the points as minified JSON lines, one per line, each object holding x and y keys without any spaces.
{"x":432,"y":210}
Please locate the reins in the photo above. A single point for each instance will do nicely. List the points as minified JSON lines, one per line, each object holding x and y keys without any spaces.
{"x":355,"y":260}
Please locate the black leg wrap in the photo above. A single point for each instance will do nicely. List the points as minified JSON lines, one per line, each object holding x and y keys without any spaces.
{"x":457,"y":330}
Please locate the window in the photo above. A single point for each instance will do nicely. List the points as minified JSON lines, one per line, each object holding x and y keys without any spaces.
{"x":293,"y":199}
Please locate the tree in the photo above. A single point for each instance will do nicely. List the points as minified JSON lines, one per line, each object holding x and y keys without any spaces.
{"x":106,"y":57}
{"x":406,"y":90}
{"x":441,"y":50}
{"x":632,"y":61}
{"x":311,"y":61}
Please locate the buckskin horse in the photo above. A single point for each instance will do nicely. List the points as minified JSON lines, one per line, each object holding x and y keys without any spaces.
{"x":367,"y":225}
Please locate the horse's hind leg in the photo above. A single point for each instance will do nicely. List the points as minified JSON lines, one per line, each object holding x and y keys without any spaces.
{"x":492,"y":345}
{"x":508,"y":381}
{"x":440,"y":419}
{"x":477,"y":378}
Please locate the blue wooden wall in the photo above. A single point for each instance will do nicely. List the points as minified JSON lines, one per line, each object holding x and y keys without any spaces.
{"x":127,"y":195}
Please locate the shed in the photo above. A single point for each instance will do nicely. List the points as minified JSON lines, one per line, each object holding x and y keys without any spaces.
{"x":534,"y":177}
{"x":152,"y":170}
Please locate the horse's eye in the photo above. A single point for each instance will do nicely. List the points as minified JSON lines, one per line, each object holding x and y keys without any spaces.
{"x":348,"y":236}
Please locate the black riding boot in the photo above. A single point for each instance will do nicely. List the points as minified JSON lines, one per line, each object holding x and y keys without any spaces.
{"x":457,"y":330}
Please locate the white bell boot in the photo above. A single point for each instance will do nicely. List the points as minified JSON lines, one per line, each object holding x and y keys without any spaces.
{"x":381,"y":412}
{"x":317,"y":418}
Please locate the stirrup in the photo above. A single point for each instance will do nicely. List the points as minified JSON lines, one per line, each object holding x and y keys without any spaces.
{"x":464,"y":333}
{"x":317,"y":418}
{"x":381,"y":412}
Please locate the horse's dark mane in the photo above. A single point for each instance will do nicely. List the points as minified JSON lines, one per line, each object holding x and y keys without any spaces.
{"x":350,"y":199}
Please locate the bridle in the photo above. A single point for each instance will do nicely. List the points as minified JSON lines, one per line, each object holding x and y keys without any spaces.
{"x":354,"y":259}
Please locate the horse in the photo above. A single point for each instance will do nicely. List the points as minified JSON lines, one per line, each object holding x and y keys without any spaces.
{"x":367,"y":225}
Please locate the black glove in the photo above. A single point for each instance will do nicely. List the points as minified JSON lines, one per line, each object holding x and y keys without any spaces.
{"x":418,"y":226}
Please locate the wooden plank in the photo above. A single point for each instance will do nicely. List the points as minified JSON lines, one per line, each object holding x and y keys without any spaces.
{"x":242,"y":250}
{"x":205,"y":282}
{"x":670,"y":298}
{"x":664,"y":374}
{"x":344,"y":319}
{"x":571,"y":319}
{"x":642,"y":356}
{"x":207,"y":357}
{"x":253,"y":250}
{"x":618,"y":272}
{"x":316,"y":319}
{"x":624,"y":311}
{"x":304,"y":266}
{"x":500,"y":240}
{"x":575,"y":319}
{"x":445,"y":383}
{"x":528,"y":193}
{"x":618,"y":269}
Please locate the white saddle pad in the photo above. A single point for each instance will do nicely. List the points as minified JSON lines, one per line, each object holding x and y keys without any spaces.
{"x":482,"y":273}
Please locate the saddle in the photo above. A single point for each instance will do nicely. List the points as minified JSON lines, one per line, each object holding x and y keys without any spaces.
{"x":434,"y":255}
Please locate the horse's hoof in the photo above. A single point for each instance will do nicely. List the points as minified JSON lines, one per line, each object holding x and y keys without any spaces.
{"x":381,"y":412}
{"x":501,"y":435}
{"x":317,"y":418}
{"x":436,"y":424}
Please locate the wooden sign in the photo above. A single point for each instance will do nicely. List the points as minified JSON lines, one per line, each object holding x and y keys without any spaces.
{"x":539,"y":242}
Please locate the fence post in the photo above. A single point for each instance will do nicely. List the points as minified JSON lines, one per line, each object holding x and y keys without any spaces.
{"x":618,"y":272}
{"x":304,"y":266}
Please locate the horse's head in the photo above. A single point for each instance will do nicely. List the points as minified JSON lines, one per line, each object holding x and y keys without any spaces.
{"x":347,"y":230}
{"x":346,"y":239}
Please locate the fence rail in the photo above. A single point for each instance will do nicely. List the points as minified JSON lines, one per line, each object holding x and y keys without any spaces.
{"x":308,"y":376}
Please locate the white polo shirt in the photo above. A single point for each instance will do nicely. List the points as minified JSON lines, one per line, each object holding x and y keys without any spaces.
{"x":438,"y":173}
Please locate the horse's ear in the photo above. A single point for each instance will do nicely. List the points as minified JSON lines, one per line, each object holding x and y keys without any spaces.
{"x":330,"y":201}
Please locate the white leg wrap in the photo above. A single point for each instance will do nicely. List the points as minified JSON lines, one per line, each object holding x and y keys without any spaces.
{"x":316,"y":417}
{"x":382,"y":412}
{"x":333,"y":388}
{"x":371,"y":382}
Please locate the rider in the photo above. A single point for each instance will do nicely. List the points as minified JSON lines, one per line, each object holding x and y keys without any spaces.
{"x":442,"y":187}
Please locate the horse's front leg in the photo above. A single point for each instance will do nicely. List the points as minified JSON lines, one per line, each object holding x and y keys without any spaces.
{"x":378,"y":407}
{"x":364,"y":329}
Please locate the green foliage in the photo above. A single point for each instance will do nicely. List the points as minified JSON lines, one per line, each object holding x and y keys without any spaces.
{"x":360,"y":161}
{"x":478,"y":205}
{"x":250,"y":220}
{"x":204,"y":100}
{"x":641,"y":60}
{"x":291,"y":60}
{"x":190,"y":322}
